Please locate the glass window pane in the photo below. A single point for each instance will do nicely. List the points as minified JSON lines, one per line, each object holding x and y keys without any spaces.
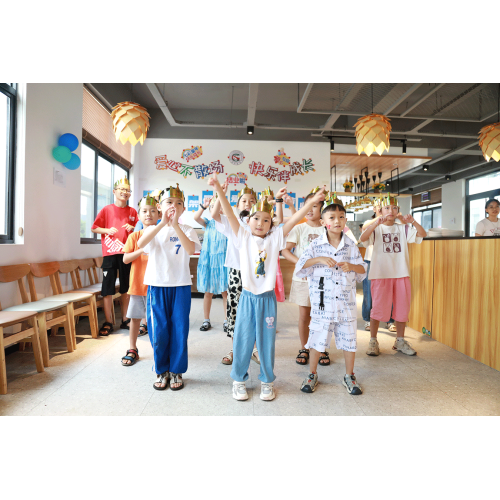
{"x":119,"y":173}
{"x":477,"y":212}
{"x":426,"y":219}
{"x":104,"y":184}
{"x":4,"y":130}
{"x":485,"y":183}
{"x":418,"y":217}
{"x":87,"y":192}
{"x":436,"y":218}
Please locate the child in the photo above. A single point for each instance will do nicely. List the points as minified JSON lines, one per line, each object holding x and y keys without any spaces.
{"x":491,"y":225}
{"x":169,"y":246}
{"x":246,"y":199}
{"x":211,"y":273}
{"x":148,"y":215}
{"x":256,"y":319}
{"x":389,"y":272}
{"x":116,"y":222}
{"x":333,"y":264}
{"x":156,"y":195}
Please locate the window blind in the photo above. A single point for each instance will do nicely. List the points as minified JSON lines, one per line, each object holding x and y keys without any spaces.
{"x":97,"y":129}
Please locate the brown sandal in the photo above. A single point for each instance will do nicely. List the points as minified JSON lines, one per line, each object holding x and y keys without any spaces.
{"x":106,"y":329}
{"x":228,"y":356}
{"x":303,"y":354}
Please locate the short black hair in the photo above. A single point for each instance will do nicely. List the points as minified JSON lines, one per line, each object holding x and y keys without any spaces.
{"x":490,"y":201}
{"x":333,"y":208}
{"x":310,"y":195}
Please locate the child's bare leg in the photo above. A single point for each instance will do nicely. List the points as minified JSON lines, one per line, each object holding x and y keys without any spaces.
{"x":349,"y":362}
{"x":400,"y":329}
{"x":207,"y":304}
{"x":313,"y":360}
{"x":133,"y":334}
{"x":224,"y":302}
{"x":304,"y":320}
{"x":374,"y":324}
{"x":124,"y":300}
{"x":108,"y":304}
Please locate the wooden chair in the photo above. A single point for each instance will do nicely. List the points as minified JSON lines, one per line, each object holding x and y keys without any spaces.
{"x":83,"y":308}
{"x":61,"y":309}
{"x":11,"y":318}
{"x":50,"y":270}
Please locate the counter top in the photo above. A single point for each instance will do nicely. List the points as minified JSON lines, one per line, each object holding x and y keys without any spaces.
{"x":427,"y":238}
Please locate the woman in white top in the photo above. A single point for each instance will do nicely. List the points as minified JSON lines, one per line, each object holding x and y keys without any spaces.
{"x":490,"y":226}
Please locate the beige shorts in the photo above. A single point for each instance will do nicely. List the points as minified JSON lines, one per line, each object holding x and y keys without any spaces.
{"x":299,"y":293}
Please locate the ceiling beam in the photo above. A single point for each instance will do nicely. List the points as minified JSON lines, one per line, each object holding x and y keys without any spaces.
{"x":421,"y":125}
{"x":453,"y":152}
{"x":474,"y":89}
{"x":253,"y":90}
{"x":350,"y":95}
{"x":397,"y":102}
{"x":422,"y":99}
{"x":304,"y":97}
{"x":331,"y":122}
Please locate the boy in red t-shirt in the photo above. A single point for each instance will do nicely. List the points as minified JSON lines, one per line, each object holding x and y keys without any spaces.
{"x":115,"y":222}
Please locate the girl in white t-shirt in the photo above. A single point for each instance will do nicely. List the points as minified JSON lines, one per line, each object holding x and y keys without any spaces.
{"x":259,"y":244}
{"x":490,"y":226}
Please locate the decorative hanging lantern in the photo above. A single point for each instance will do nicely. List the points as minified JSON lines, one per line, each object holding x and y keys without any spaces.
{"x":130,"y":122}
{"x":489,"y":141}
{"x":372,"y":134}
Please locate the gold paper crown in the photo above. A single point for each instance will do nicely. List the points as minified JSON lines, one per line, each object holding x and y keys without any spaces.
{"x":246,"y":190}
{"x":147,"y":201}
{"x":377,"y":201}
{"x":121,"y":181}
{"x":155,"y":194}
{"x":388,"y":200}
{"x":268,"y":192}
{"x":315,"y":190}
{"x":171,"y":192}
{"x":262,"y":206}
{"x":331,"y":199}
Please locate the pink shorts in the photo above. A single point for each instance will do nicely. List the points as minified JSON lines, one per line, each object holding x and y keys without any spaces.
{"x":391,"y":293}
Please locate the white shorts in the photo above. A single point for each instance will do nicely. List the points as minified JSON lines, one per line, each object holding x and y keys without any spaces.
{"x":320,"y":335}
{"x":299,"y":293}
{"x":136,"y":307}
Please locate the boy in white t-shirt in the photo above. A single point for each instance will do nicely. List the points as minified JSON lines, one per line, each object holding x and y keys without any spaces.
{"x":490,"y":226}
{"x":169,"y":246}
{"x":259,"y":246}
{"x":389,"y":271}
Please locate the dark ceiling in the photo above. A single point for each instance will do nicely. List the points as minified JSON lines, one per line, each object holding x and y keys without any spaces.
{"x":443,"y":118}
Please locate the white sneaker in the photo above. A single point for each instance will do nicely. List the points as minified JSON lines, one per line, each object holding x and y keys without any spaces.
{"x":367,"y":326}
{"x":373,"y":349}
{"x":400,"y":344}
{"x":240,"y":391}
{"x":267,"y":391}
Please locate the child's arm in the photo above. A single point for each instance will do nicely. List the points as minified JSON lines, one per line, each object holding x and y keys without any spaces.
{"x":233,"y":221}
{"x":327,"y":261}
{"x":348,"y":267}
{"x":365,"y":235}
{"x":300,"y":214}
{"x":279,"y":205}
{"x":288,"y":200}
{"x":215,"y":213}
{"x":131,"y":256}
{"x":198,"y":215}
{"x":150,"y":234}
{"x":408,"y":219}
{"x":186,"y":243}
{"x":286,"y":252}
{"x":303,"y":268}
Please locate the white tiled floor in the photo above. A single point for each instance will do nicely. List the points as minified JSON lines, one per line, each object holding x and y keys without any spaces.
{"x":91,"y":380}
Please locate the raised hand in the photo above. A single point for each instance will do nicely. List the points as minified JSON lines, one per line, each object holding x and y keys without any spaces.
{"x":213,"y":181}
{"x":381,"y":220}
{"x":287,"y":200}
{"x":320,"y":195}
{"x":281,"y":193}
{"x":400,"y":217}
{"x":408,"y":219}
{"x":225,"y":186}
{"x":112,"y":231}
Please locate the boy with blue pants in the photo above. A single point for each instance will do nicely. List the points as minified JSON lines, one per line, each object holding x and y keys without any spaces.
{"x":169,"y":246}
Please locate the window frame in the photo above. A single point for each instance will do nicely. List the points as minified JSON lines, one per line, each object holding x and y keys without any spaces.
{"x":11,"y":93}
{"x":432,"y":207}
{"x":94,"y":240}
{"x":472,"y":197}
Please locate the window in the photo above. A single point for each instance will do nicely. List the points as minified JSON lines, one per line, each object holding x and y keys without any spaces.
{"x":8,"y":96}
{"x":99,"y":173}
{"x":429,"y":216}
{"x":477,"y":192}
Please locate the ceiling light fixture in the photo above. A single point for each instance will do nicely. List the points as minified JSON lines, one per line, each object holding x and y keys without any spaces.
{"x":426,"y":167}
{"x":489,"y":137}
{"x":332,"y":145}
{"x":404,"y":147}
{"x":448,"y":177}
{"x":130,"y":122}
{"x":250,"y":129}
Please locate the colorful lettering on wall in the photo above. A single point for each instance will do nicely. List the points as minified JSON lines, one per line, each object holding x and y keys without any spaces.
{"x":202,"y":171}
{"x":274,"y":174}
{"x":206,"y":196}
{"x":161,"y":162}
{"x":193,"y":202}
{"x":233,"y":198}
{"x":236,"y":157}
{"x":282,"y":158}
{"x":192,"y":153}
{"x":238,"y":178}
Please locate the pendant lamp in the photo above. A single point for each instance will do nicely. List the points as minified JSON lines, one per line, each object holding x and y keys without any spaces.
{"x":130,"y":122}
{"x":372,"y":134}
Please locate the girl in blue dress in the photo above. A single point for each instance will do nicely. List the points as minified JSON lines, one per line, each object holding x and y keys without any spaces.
{"x":212,"y":276}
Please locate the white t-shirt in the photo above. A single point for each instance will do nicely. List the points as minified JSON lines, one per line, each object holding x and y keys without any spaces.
{"x":487,"y":228}
{"x":369,"y":248}
{"x":232,"y":253}
{"x":303,"y":235}
{"x":168,"y":262}
{"x":259,"y":258}
{"x":390,"y":257}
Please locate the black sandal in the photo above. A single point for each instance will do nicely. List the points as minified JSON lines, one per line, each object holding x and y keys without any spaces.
{"x":130,"y":358}
{"x":303,"y":354}
{"x":106,"y":329}
{"x":205,"y":326}
{"x":125,"y":324}
{"x":143,"y":332}
{"x":175,"y":378}
{"x":161,"y":379}
{"x":326,"y":356}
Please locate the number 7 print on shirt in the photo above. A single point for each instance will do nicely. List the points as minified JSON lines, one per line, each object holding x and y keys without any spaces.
{"x":178,"y":248}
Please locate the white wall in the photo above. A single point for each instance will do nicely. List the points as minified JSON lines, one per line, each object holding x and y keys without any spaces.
{"x":147,"y":177}
{"x":453,"y":199}
{"x":48,"y":214}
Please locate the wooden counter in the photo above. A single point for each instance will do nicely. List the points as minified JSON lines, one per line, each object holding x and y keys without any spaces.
{"x":455,"y":294}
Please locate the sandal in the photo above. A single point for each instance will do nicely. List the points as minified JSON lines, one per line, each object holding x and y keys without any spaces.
{"x":324,"y":356}
{"x":255,"y":356}
{"x":106,"y":329}
{"x":175,"y":378}
{"x":303,"y":354}
{"x":125,"y":324}
{"x":205,"y":326}
{"x":130,"y":358}
{"x":229,"y":357}
{"x":143,"y":332}
{"x":161,"y":379}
